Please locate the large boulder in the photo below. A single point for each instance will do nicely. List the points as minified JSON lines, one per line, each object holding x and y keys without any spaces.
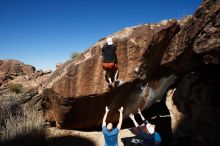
{"x":152,"y":59}
{"x":76,"y":94}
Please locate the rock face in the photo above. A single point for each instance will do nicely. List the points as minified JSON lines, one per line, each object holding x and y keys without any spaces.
{"x":172,"y":54}
{"x":198,"y":39}
{"x":80,"y":77}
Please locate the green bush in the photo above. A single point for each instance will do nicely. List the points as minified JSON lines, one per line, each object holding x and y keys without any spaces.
{"x":74,"y":55}
{"x":15,"y":88}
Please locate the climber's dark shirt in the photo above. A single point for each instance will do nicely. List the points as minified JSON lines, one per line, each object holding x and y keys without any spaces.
{"x":109,"y":54}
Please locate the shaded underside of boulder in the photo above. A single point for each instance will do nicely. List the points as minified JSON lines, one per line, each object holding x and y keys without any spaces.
{"x":195,"y":107}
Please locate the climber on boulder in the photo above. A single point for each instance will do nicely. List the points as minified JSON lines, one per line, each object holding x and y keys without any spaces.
{"x":110,"y":62}
{"x":146,"y":131}
{"x":110,"y":134}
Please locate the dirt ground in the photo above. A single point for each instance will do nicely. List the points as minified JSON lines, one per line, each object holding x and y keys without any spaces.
{"x":85,"y":138}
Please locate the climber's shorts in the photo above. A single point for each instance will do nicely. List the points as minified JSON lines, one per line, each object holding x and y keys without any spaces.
{"x":109,"y":66}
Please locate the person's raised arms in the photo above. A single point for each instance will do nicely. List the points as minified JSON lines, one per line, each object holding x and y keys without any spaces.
{"x":133,"y":119}
{"x":120,"y":118}
{"x":105,"y":116}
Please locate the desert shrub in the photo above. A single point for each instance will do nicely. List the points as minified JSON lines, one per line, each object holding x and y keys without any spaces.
{"x":15,"y":88}
{"x":75,"y":55}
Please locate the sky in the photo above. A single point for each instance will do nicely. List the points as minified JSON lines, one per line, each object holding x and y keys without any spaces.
{"x":44,"y":33}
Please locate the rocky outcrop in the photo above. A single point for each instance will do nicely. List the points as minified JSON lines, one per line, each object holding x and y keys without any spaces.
{"x":16,"y":72}
{"x":30,"y":80}
{"x":14,"y":67}
{"x":10,"y":69}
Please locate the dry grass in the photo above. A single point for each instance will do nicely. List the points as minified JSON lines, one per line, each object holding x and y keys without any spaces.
{"x":20,"y":126}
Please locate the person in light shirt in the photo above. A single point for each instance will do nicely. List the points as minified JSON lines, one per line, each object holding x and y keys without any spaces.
{"x":147,"y":131}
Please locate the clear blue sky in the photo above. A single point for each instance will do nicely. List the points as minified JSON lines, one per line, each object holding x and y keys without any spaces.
{"x":45,"y":32}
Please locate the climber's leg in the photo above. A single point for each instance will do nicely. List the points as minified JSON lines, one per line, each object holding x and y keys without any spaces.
{"x":111,"y":73}
{"x":108,"y":79}
{"x":108,"y":76}
{"x":117,"y":82}
{"x":116,"y":75}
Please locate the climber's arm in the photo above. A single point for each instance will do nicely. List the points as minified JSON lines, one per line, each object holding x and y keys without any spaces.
{"x":133,"y":119}
{"x":139,"y":112}
{"x":120,"y":118}
{"x":105,"y":116}
{"x":142,"y":117}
